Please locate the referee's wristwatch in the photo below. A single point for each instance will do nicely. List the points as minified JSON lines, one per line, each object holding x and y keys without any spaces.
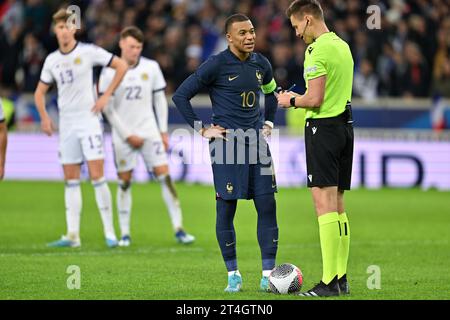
{"x":292,"y":101}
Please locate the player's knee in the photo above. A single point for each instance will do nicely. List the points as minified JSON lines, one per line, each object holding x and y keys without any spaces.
{"x":163,"y":178}
{"x":72,"y":183}
{"x":95,"y":176}
{"x":71,"y":176}
{"x":95,"y":168}
{"x":166,"y":182}
{"x":323,"y":207}
{"x":98,"y":182}
{"x":72,"y":173}
{"x":266,"y":208}
{"x":265,"y":202}
{"x":161,"y":170}
{"x":325,"y":200}
{"x":225,"y":210}
{"x":124,"y":184}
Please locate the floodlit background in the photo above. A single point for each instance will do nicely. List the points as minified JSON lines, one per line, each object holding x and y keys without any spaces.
{"x":400,"y":207}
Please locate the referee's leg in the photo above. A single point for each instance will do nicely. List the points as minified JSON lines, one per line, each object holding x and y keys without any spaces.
{"x":345,"y":178}
{"x":325,"y":201}
{"x":344,"y":247}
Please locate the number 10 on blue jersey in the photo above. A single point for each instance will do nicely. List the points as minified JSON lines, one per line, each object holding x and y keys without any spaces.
{"x":248,"y":99}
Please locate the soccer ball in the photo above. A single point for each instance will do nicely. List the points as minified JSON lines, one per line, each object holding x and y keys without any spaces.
{"x":285,"y":278}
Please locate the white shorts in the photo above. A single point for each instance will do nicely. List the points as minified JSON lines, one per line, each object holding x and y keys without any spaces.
{"x":152,"y":152}
{"x":77,"y":145}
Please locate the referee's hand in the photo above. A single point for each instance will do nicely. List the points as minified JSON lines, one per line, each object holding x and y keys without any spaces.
{"x":214,"y":131}
{"x":284,"y":99}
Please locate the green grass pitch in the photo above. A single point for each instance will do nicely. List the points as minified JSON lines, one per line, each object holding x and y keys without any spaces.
{"x":403,"y":232}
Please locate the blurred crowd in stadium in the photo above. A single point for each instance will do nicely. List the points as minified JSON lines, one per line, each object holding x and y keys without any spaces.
{"x":408,"y":57}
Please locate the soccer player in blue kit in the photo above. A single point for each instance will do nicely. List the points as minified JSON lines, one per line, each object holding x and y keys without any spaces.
{"x":234,"y":79}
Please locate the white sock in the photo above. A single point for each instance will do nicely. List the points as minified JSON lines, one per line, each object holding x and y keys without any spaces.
{"x":266,"y":273}
{"x":72,"y":197}
{"x":124,"y":203}
{"x":230,"y":273}
{"x":172,"y":203}
{"x":104,"y":204}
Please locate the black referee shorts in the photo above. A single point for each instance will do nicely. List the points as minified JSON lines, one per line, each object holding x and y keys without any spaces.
{"x":329,"y":151}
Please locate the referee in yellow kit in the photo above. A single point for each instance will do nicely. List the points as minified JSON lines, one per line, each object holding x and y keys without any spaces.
{"x":328,"y":73}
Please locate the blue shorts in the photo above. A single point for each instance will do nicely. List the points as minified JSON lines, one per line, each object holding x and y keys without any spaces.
{"x":242,"y":169}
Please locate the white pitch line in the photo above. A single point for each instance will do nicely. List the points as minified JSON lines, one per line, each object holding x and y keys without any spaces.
{"x":111,"y":252}
{"x":165,"y":250}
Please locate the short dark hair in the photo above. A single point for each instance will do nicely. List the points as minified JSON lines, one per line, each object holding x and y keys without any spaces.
{"x":238,"y":17}
{"x":133,"y":32}
{"x":302,"y":7}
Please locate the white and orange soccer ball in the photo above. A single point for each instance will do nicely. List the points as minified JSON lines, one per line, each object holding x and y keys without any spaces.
{"x":285,"y":278}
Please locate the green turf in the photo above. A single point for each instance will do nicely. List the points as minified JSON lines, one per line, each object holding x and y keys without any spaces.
{"x":404,"y":232}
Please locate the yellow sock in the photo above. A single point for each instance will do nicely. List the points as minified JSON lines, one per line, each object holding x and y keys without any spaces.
{"x":344,"y":246}
{"x":329,"y":244}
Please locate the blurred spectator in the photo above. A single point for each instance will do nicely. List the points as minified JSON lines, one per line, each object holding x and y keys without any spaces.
{"x":365,"y":82}
{"x":12,"y":15}
{"x":31,"y":60}
{"x":37,"y":17}
{"x":386,"y":70}
{"x":281,"y":56}
{"x":296,"y":74}
{"x":415,"y":79}
{"x":12,"y":21}
{"x":441,"y":68}
{"x":360,"y":48}
{"x":129,"y":18}
{"x":180,"y":34}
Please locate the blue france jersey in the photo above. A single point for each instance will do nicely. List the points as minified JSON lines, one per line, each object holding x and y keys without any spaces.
{"x":234,"y":88}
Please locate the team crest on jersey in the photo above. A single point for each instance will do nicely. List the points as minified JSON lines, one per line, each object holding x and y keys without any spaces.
{"x":259,"y":77}
{"x":144,"y":76}
{"x":229,"y":188}
{"x":77,"y":61}
{"x":122,"y":162}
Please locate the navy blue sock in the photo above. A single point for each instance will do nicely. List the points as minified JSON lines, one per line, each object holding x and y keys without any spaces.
{"x":267,"y":229}
{"x":225,"y":234}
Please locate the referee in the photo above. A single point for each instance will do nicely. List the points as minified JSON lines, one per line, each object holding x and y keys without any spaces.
{"x":328,"y":76}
